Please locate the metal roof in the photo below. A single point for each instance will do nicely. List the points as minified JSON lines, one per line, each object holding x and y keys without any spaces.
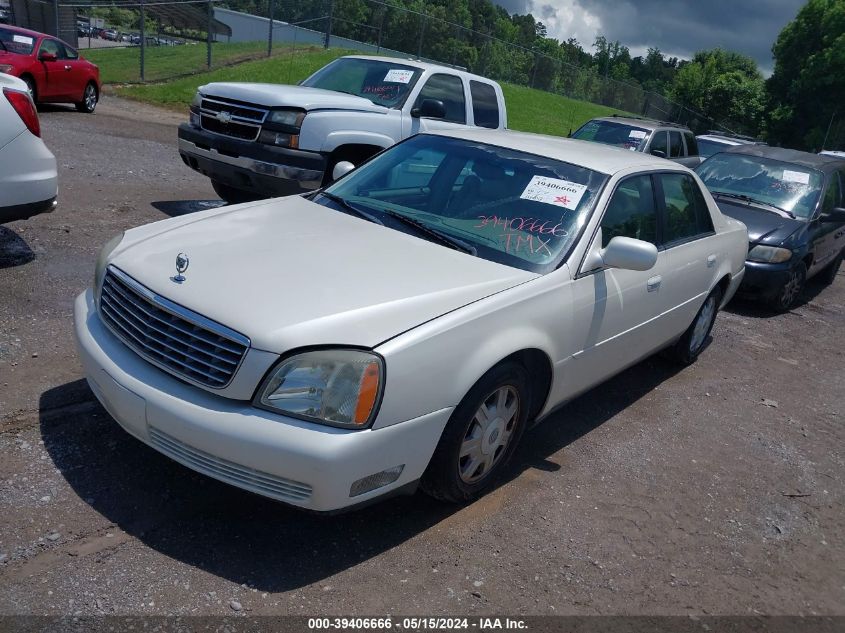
{"x":181,"y":14}
{"x":821,"y":162}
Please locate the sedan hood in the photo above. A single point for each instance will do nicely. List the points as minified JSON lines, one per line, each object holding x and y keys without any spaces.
{"x":290,"y":273}
{"x":763,"y":226}
{"x":275,"y":95}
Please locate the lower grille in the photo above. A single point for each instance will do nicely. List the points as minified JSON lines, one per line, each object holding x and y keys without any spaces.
{"x":229,"y":472}
{"x":182,"y":342}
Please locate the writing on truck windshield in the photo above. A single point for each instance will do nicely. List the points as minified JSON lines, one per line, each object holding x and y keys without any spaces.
{"x":510,"y":207}
{"x":383,"y":83}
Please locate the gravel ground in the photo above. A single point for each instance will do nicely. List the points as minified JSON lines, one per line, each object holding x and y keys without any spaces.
{"x":717,"y":489}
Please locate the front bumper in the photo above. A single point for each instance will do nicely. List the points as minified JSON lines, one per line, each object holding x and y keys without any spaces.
{"x":264,"y":169}
{"x":304,"y":464}
{"x":764,"y":280}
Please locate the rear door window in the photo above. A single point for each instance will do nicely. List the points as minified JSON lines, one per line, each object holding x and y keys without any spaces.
{"x":686,"y":216}
{"x":692,"y":146}
{"x":485,"y":106}
{"x":676,"y":146}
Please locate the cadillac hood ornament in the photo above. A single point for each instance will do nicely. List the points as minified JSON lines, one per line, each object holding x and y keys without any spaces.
{"x":182,"y":263}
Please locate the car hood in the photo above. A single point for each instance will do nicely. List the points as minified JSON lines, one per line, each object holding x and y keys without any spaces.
{"x":275,"y":95}
{"x":289,"y":273}
{"x":763,"y":226}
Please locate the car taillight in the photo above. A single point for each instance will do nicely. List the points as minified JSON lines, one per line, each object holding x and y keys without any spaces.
{"x":23,"y":105}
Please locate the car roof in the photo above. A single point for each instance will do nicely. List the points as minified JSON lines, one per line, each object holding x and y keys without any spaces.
{"x":605,"y":159}
{"x":727,"y":140}
{"x":18,"y":29}
{"x":641,"y":122}
{"x":822,"y":162}
{"x":418,"y":63}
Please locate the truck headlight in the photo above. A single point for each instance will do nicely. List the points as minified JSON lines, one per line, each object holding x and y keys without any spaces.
{"x":194,"y":110}
{"x":769,"y":254}
{"x":281,"y":128}
{"x":339,"y":387}
{"x":102,"y":262}
{"x":286,"y":118}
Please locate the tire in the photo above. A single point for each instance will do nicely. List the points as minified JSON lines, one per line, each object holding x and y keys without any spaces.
{"x":791,"y":290}
{"x":478,"y":440}
{"x":828,"y":274}
{"x":691,"y":344}
{"x":30,"y":86}
{"x":90,"y":97}
{"x":232,"y":195}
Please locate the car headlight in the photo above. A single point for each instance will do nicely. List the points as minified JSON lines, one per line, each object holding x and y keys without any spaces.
{"x":102,"y":262}
{"x":196,"y":102}
{"x":288,"y":118}
{"x":339,"y":387}
{"x":769,"y":254}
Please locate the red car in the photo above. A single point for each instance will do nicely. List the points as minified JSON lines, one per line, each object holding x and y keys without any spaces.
{"x":54,"y":71}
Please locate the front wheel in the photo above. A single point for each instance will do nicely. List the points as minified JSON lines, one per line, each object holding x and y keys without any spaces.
{"x":481,"y":436}
{"x":232,"y":195}
{"x":691,"y":344}
{"x":791,"y":290}
{"x":90,"y":97}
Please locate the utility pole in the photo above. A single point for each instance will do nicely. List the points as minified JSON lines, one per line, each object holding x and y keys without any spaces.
{"x":143,"y":38}
{"x":271,"y":12}
{"x":422,"y":33}
{"x":56,"y":12}
{"x":208,"y":35}
{"x":824,"y":142}
{"x":329,"y":25}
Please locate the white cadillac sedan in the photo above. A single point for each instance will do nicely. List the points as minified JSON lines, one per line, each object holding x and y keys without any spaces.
{"x":406,"y":324}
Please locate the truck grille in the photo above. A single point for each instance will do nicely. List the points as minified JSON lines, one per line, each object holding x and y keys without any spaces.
{"x":231,"y":118}
{"x":182,"y":342}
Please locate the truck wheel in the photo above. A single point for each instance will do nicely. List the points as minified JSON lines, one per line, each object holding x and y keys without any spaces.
{"x":480,"y":437}
{"x":232,"y":195}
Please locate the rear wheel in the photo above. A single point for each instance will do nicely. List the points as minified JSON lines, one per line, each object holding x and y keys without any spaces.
{"x":481,"y":436}
{"x":691,"y":344}
{"x":791,"y":290}
{"x":233,"y":195}
{"x":90,"y":97}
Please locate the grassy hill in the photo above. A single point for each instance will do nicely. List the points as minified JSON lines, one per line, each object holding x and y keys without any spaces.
{"x":528,"y":110}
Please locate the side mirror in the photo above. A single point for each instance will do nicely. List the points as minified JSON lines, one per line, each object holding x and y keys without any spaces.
{"x":47,"y":57}
{"x":834,"y":216}
{"x":629,"y":254}
{"x":659,"y":153}
{"x":431,"y":108}
{"x":341,"y":169}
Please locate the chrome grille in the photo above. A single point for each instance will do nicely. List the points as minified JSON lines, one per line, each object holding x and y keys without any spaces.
{"x":235,"y":474}
{"x":184,"y":343}
{"x":231,"y":118}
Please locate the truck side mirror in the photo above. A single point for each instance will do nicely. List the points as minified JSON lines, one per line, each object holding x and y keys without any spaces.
{"x":341,"y":169}
{"x":431,"y":108}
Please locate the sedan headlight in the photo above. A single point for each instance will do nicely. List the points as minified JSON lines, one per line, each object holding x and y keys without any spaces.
{"x":339,"y":387}
{"x":769,"y":254}
{"x":102,"y":262}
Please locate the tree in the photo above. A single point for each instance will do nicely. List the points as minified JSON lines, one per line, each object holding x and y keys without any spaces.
{"x":724,"y":86}
{"x":807,"y":89}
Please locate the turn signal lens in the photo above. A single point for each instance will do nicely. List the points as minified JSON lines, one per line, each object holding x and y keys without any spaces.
{"x":23,"y":105}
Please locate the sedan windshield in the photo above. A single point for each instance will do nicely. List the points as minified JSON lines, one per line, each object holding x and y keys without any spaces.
{"x":613,"y":133}
{"x":383,"y":83}
{"x":510,"y":207}
{"x":787,"y":186}
{"x":14,"y":42}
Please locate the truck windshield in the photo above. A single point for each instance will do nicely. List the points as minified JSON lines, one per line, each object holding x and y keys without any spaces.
{"x":507,"y":206}
{"x":613,"y":133}
{"x":384,"y":83}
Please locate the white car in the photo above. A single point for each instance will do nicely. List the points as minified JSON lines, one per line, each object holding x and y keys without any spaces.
{"x":405,"y":324}
{"x":832,"y":152}
{"x":28,"y":176}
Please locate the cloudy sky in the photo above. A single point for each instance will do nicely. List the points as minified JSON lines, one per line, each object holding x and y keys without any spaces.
{"x":677,"y":27}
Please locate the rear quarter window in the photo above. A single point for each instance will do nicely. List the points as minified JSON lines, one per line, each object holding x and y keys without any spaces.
{"x":485,"y":106}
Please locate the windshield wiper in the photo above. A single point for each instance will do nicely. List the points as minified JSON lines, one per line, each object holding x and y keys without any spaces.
{"x":746,"y":198}
{"x":443,"y":238}
{"x":351,"y":207}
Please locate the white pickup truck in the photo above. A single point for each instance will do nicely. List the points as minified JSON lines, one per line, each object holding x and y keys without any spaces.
{"x":263,"y":140}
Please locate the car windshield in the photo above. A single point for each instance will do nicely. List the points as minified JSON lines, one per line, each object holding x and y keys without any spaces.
{"x":14,"y":42}
{"x":787,"y":186}
{"x":506,"y":206}
{"x":707,"y":147}
{"x":384,"y":83}
{"x":614,"y":133}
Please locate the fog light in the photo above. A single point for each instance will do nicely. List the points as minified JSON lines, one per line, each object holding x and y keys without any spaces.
{"x":371,"y":482}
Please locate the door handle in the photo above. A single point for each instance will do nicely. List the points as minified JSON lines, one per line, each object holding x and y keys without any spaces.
{"x":711,"y":260}
{"x":654,"y":283}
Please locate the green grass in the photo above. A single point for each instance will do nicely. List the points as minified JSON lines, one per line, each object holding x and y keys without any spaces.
{"x":528,"y":110}
{"x":122,"y":65}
